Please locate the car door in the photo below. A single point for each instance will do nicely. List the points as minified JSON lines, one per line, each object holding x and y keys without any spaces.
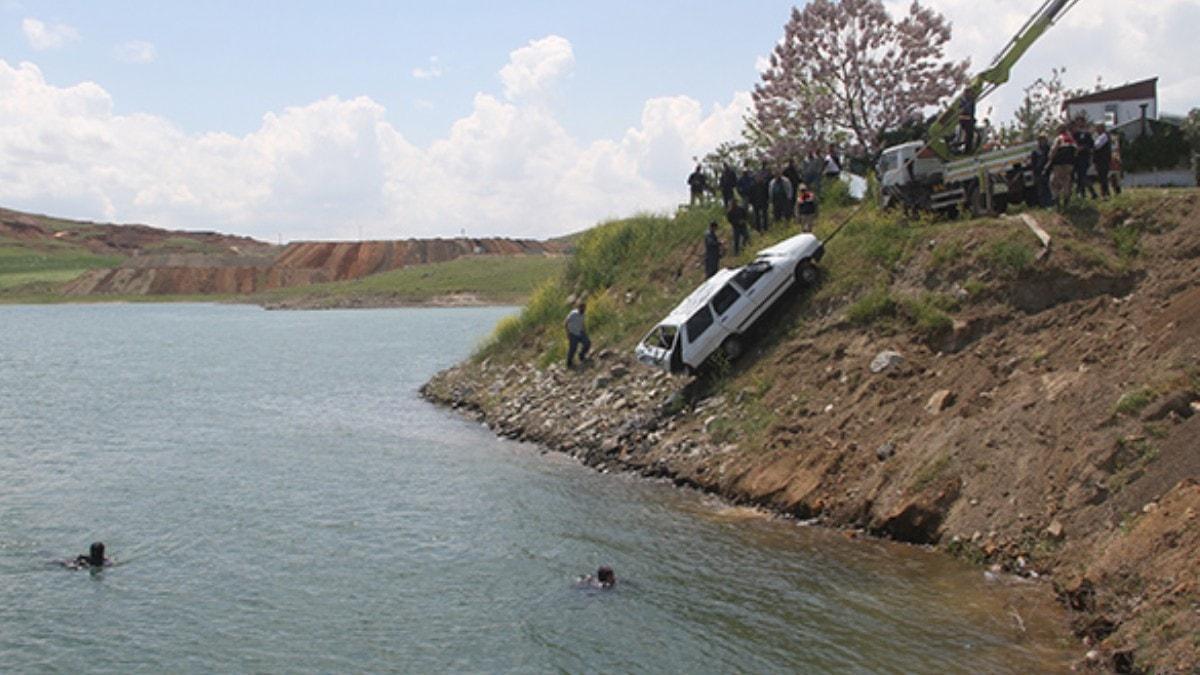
{"x":730,"y":307}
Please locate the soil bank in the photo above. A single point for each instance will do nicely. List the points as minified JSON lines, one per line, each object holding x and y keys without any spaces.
{"x":1048,"y":431}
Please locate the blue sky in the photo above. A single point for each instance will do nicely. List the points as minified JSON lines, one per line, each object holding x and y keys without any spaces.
{"x":221,"y":65}
{"x":305,"y":120}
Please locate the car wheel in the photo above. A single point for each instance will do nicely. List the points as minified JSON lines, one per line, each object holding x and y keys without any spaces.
{"x":806,"y":274}
{"x":732,"y":347}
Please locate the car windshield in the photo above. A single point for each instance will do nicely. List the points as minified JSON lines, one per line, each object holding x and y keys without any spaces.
{"x":888,"y":162}
{"x":662,"y":337}
{"x":750,"y":274}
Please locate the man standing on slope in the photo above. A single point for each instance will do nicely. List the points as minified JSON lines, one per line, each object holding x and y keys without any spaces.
{"x":712,"y":251}
{"x":577,"y":335}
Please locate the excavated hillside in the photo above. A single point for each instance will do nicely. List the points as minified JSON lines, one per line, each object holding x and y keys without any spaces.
{"x":298,"y":264}
{"x":107,"y":239}
{"x":1031,"y":409}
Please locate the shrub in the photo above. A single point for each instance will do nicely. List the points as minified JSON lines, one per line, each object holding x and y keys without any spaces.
{"x":875,"y":305}
{"x":1132,"y":402}
{"x":1009,"y":255}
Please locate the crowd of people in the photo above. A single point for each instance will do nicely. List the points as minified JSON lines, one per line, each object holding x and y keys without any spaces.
{"x":1081,"y":156}
{"x":757,"y":199}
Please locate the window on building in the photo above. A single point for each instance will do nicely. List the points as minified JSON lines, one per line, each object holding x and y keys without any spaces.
{"x":1110,"y":114}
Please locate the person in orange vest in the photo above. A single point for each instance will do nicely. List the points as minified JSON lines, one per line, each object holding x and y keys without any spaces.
{"x":806,"y":207}
{"x":1062,"y":165}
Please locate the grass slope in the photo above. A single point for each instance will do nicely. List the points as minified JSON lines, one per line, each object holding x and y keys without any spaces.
{"x":633,"y":271}
{"x":489,"y":279}
{"x":31,"y":270}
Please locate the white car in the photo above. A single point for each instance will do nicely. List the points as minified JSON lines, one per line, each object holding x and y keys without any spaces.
{"x":718,"y":313}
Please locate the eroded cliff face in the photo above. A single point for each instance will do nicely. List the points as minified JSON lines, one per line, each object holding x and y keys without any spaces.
{"x":297,"y":264}
{"x":108,"y":239}
{"x":1052,"y":432}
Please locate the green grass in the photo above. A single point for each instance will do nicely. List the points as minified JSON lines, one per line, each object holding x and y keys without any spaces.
{"x":875,"y":305}
{"x":1132,"y":402}
{"x":184,"y":245}
{"x":17,"y":259}
{"x":495,"y":279}
{"x":31,"y":272}
{"x":1011,"y":255}
{"x":945,"y":254}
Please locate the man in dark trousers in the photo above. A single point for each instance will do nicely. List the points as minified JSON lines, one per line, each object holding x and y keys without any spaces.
{"x":712,"y":251}
{"x":698,"y":183}
{"x":1102,"y":157}
{"x":966,"y":120}
{"x":577,"y":335}
{"x":1083,"y":159}
{"x":727,"y":183}
{"x":738,"y":217}
{"x":761,"y":201}
{"x":1039,"y":160}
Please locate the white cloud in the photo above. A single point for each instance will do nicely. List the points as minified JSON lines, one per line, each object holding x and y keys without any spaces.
{"x":432,"y":72}
{"x":762,"y":64}
{"x":42,"y":36}
{"x":1118,"y":40}
{"x":535,"y":67}
{"x":135,"y":51}
{"x":322,"y":170}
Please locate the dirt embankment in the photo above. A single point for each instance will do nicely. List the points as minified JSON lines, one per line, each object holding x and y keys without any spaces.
{"x":297,"y":264}
{"x":1051,"y":432}
{"x":106,"y":239}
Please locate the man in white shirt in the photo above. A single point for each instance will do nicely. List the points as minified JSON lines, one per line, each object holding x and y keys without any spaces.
{"x":577,"y":334}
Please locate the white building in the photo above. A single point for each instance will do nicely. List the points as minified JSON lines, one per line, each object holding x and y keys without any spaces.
{"x":1118,"y":106}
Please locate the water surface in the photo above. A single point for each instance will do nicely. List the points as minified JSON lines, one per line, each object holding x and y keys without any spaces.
{"x":281,"y":500}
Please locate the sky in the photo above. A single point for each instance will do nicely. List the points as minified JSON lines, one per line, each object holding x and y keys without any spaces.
{"x":318,"y":120}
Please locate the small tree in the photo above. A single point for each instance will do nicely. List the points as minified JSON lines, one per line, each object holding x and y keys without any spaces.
{"x":1041,"y":109}
{"x":1191,"y":132}
{"x":845,"y":70}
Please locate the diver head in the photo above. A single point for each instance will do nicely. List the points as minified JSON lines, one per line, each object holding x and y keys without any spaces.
{"x":96,"y":555}
{"x":605,"y":576}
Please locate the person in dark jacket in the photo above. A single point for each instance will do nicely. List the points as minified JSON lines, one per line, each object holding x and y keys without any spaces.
{"x":697,"y":183}
{"x":738,"y":218}
{"x":1062,"y":165}
{"x":712,"y":251}
{"x":761,"y":200}
{"x":1040,"y":161}
{"x":1083,"y":160}
{"x":782,"y":200}
{"x":966,"y":120}
{"x":792,"y":174}
{"x":1102,"y":157}
{"x":727,"y":182}
{"x":745,"y":186}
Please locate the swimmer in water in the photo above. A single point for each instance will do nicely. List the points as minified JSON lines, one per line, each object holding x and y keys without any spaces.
{"x":94,"y":558}
{"x":605,"y":578}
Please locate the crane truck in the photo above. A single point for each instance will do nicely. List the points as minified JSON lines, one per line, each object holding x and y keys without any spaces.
{"x":929,"y":176}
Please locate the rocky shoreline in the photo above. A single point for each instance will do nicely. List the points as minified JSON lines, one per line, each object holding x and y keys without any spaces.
{"x":1048,"y":434}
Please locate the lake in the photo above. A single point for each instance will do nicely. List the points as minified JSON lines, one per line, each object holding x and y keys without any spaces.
{"x":278,"y":498}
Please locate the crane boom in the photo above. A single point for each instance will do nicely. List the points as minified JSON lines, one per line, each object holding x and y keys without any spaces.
{"x":997,"y":74}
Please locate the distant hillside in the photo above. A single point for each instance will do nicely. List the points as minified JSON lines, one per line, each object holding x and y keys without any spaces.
{"x":47,"y":259}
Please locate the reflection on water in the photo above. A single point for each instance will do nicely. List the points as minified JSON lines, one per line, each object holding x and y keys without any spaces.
{"x":283,"y":501}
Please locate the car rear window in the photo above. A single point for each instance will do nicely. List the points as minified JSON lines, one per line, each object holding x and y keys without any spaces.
{"x":699,"y":323}
{"x":724,"y":299}
{"x":750,"y":274}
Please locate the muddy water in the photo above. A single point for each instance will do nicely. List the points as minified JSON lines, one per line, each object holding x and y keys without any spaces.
{"x":280,"y":500}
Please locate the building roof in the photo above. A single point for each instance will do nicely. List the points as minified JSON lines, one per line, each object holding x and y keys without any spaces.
{"x":1128,"y":92}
